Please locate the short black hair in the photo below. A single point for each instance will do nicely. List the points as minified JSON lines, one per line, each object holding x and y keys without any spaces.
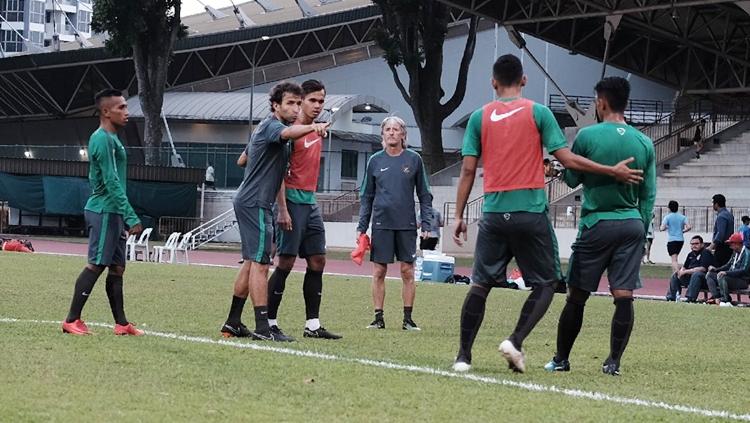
{"x":507,"y":70}
{"x":616,"y":90}
{"x":673,"y":206}
{"x":284,"y":87}
{"x":720,"y":200}
{"x":745,"y":219}
{"x":312,"y":85}
{"x":698,"y":237}
{"x":546,"y":161}
{"x":106,"y":93}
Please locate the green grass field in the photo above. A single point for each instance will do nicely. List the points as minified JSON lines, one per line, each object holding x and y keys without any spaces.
{"x":680,"y":354}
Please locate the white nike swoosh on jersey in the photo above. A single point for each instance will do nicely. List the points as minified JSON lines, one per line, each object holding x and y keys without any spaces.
{"x":497,"y":118}
{"x":309,"y":143}
{"x":383,"y":169}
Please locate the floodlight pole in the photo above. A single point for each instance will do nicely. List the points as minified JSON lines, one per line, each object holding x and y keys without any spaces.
{"x":252,"y":83}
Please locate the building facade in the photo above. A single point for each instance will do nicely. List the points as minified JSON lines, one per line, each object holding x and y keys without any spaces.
{"x":42,"y":23}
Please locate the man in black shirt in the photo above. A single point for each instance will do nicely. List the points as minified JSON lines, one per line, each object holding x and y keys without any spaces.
{"x":693,"y":272}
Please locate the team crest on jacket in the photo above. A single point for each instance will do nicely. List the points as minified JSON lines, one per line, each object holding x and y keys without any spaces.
{"x":406,"y":169}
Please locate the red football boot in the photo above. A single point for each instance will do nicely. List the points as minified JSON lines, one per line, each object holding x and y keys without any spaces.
{"x":128,"y":329}
{"x":76,"y":327}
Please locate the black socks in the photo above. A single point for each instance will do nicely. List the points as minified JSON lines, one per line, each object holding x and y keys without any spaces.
{"x":312,"y":290}
{"x":261,"y":319}
{"x":472,"y":315}
{"x":533,"y":310}
{"x":568,"y":328}
{"x":378,"y":314}
{"x":276,"y":286}
{"x":407,"y":313}
{"x":235,"y":311}
{"x":116,"y":303}
{"x":84,"y":285}
{"x":622,"y":325}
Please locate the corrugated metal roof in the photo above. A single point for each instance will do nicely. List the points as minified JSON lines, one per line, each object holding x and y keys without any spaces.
{"x":235,"y":107}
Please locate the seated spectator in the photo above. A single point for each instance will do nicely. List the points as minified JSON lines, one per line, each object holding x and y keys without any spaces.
{"x":745,"y":231}
{"x":734,"y":275}
{"x":19,"y":245}
{"x":692,"y":274}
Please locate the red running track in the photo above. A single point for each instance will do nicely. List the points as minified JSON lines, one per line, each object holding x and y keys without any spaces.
{"x":651,"y":287}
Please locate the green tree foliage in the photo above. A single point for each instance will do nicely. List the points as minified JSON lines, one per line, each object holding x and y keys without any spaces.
{"x":147,"y":30}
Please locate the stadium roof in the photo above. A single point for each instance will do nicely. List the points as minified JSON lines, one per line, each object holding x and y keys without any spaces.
{"x":696,"y":46}
{"x":235,"y":107}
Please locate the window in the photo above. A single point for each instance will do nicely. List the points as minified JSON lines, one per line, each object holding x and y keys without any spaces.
{"x":36,"y":38}
{"x":11,"y":41}
{"x":14,"y":10}
{"x":36,"y":12}
{"x":349,"y":164}
{"x":69,"y":18}
{"x":83,"y":21}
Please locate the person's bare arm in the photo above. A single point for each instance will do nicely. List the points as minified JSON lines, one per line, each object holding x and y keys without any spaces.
{"x":242,"y":160}
{"x":465,"y":182}
{"x":284,"y":220}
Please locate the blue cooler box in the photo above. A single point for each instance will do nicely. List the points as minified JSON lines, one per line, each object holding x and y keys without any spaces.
{"x":435,"y":267}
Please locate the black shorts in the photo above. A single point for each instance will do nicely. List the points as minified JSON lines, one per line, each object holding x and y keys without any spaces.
{"x":387,"y":243}
{"x":107,"y":238}
{"x":612,"y":245}
{"x":308,"y":235}
{"x":428,"y":243}
{"x":528,"y":237}
{"x":256,"y":233}
{"x":674,"y":247}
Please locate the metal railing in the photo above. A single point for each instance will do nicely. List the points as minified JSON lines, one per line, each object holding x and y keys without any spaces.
{"x":472,"y":212}
{"x":674,"y":133}
{"x":701,"y":219}
{"x":169,"y":224}
{"x":210,"y":230}
{"x":637,"y":111}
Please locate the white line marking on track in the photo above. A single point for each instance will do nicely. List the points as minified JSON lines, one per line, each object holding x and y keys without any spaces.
{"x":528,"y":386}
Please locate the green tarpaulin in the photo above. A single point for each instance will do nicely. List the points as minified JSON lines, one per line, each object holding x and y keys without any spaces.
{"x":60,"y":195}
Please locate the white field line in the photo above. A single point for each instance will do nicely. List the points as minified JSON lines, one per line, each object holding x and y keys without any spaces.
{"x":528,"y":386}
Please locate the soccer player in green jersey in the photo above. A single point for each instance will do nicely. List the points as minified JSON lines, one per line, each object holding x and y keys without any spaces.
{"x":614,"y":220}
{"x":509,"y":134}
{"x":109,"y":216}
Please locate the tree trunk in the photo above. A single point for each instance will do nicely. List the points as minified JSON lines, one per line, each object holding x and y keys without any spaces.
{"x":431,"y":132}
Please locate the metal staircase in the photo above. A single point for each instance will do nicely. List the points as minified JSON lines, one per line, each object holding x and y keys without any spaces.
{"x":212,"y":229}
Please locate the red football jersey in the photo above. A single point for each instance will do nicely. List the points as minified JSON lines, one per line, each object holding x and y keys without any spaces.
{"x":304,"y":163}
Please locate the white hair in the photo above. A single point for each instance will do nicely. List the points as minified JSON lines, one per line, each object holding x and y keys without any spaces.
{"x":400,"y":122}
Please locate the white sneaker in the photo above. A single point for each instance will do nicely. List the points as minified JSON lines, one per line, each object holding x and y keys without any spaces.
{"x":461,"y":367}
{"x":725,"y":304}
{"x":516,"y":359}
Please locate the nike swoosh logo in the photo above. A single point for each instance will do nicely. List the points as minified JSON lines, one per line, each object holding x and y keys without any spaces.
{"x":85,"y":294}
{"x":278,"y":293}
{"x":497,"y":118}
{"x":309,"y":143}
{"x":383,"y":169}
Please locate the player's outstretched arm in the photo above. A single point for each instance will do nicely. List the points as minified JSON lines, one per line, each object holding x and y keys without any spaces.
{"x":621,"y":172}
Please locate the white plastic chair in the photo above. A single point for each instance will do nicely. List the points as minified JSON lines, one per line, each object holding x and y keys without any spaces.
{"x":129,"y":247}
{"x":170,"y":246}
{"x":182,"y":247}
{"x":141,"y":245}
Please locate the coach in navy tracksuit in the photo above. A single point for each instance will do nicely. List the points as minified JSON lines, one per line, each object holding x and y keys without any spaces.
{"x":387,"y":195}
